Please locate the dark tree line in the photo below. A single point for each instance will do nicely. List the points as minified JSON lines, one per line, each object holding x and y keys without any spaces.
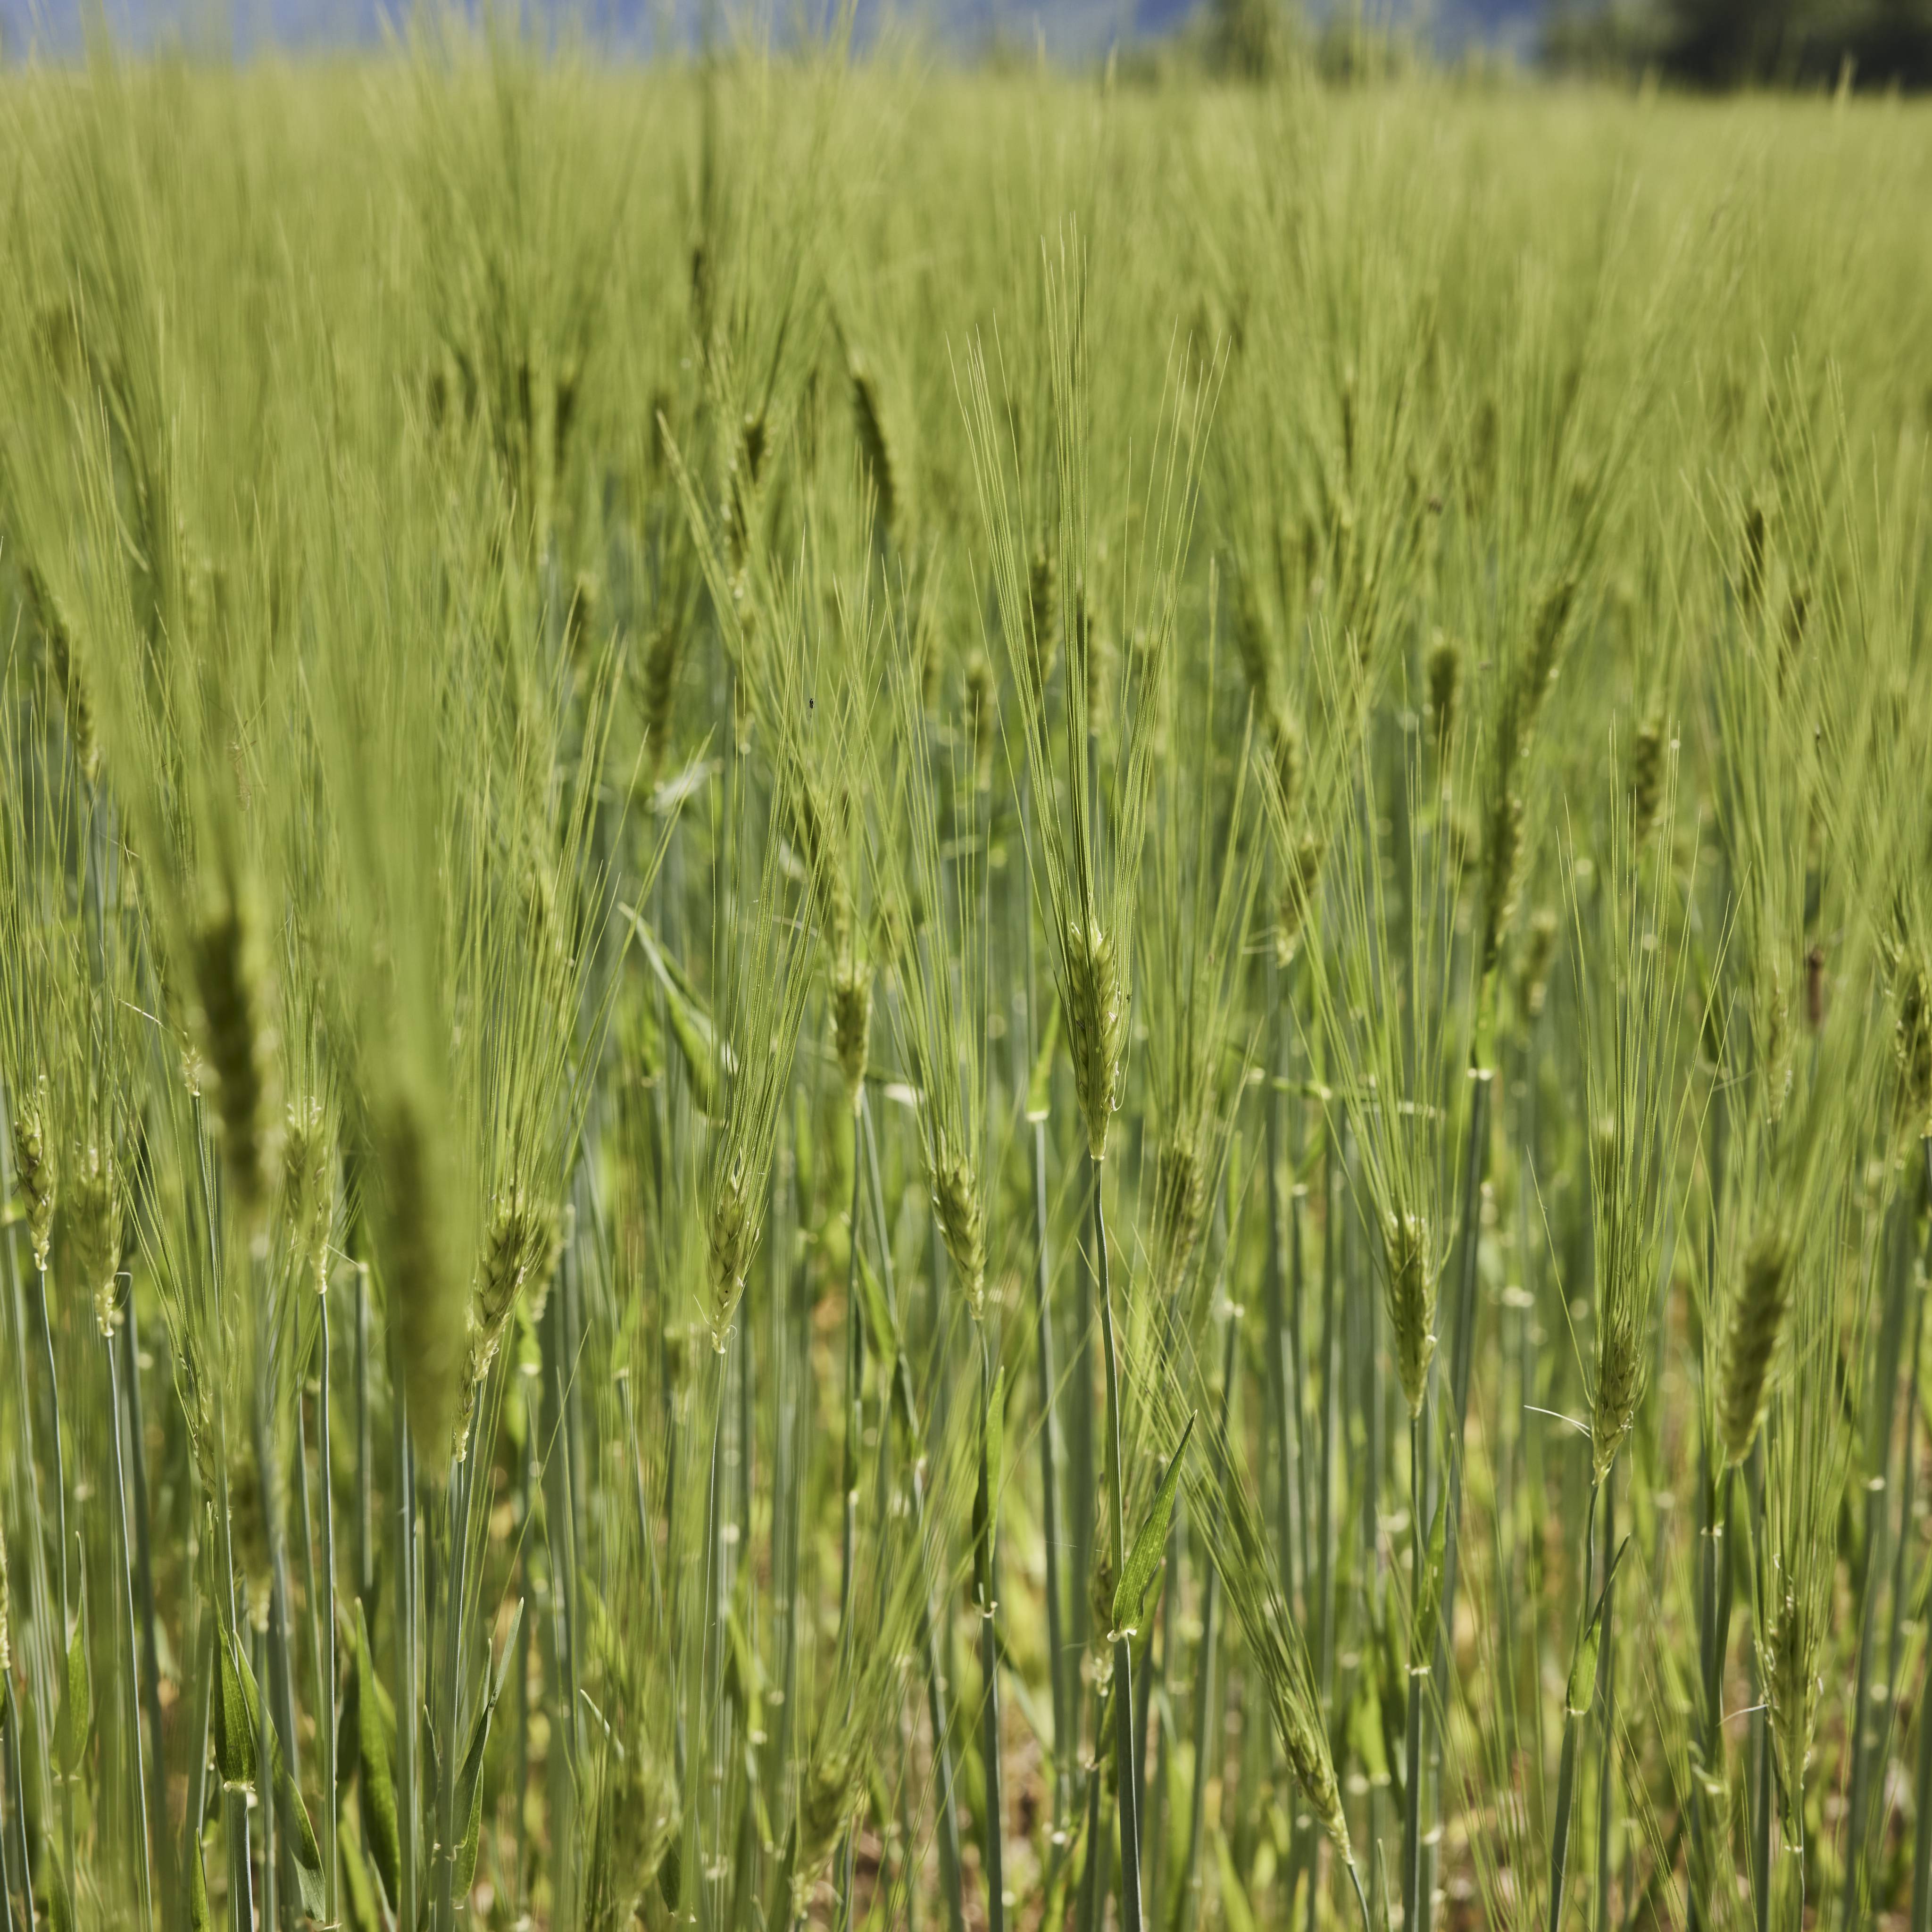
{"x":1721,"y":44}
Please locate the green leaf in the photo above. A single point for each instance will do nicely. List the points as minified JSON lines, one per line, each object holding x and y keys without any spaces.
{"x":200,"y":1918}
{"x":1429,"y":1607}
{"x":376,"y":1745}
{"x":1582,"y":1690}
{"x":1144,"y":1558}
{"x":361,"y":1914}
{"x":469,"y":1782}
{"x":986,"y":1499}
{"x":1039,"y":1082}
{"x":291,"y":1818}
{"x":691,"y":1025}
{"x":1381,"y":1888}
{"x":77,"y":1709}
{"x":1236,"y":1912}
{"x":234,"y":1736}
{"x":644,"y":1039}
{"x":1367,"y":1737}
{"x":1386,"y":1665}
{"x":508,"y":1656}
{"x":881,"y":1335}
{"x":744,"y":1675}
{"x":60,"y":1907}
{"x":473,"y":1828}
{"x":670,"y":1873}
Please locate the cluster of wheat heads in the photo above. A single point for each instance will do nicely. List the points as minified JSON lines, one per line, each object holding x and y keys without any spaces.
{"x":959,"y":1000}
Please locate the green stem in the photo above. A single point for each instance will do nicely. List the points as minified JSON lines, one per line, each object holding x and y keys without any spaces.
{"x":1080,"y":1477}
{"x":1057,"y":1660}
{"x":855,"y":1425}
{"x":1760,"y":1729}
{"x":855,"y":1419}
{"x":1761,"y":1868}
{"x":6,"y":1848}
{"x":279,"y":1702}
{"x":942,"y":1744}
{"x":1418,"y":1540}
{"x":325,"y":1654}
{"x":1902,"y":1542}
{"x":40,"y":1686}
{"x":115,"y":1411}
{"x":365,"y":1477}
{"x":197,"y":1808}
{"x":992,"y":1851}
{"x":716,"y":1631}
{"x":265,"y":1788}
{"x":60,"y":1525}
{"x":404,"y":1693}
{"x":1863,"y":1718}
{"x":1922,"y":1836}
{"x":1280,"y":1357}
{"x":1157,"y":1718}
{"x":560,"y":1543}
{"x":1559,"y":1839}
{"x":455,"y":1593}
{"x":530,"y":1480}
{"x":1331,"y":1420}
{"x":229,"y":1626}
{"x":10,"y":1712}
{"x":1573,"y":1724}
{"x":1361,"y":1897}
{"x":1093,"y":1869}
{"x":1606,"y":1695}
{"x":144,"y":1581}
{"x":1461,"y":1350}
{"x":1190,"y":1893}
{"x":1061,"y":1678}
{"x":951,"y":1883}
{"x":1126,"y":1752}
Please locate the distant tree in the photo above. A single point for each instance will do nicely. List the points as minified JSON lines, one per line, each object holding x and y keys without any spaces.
{"x":1890,"y":40}
{"x":1723,"y":43}
{"x":1729,"y":43}
{"x":1249,"y":39}
{"x":1610,"y":38}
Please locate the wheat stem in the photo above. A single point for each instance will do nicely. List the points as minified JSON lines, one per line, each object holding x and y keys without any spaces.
{"x":325,"y":1620}
{"x":1921,"y":1833}
{"x":1418,"y":1537}
{"x":1606,"y":1695}
{"x":993,"y":1859}
{"x":1189,"y":1893}
{"x":1064,"y":1696}
{"x":1763,"y":1814}
{"x":60,"y":1526}
{"x":10,"y":1715}
{"x":1573,"y":1724}
{"x":456,"y":1583}
{"x":1462,"y":1349}
{"x":150,"y":1675}
{"x":1902,"y":1542}
{"x":116,"y":1410}
{"x":1331,"y":1415}
{"x":1860,"y":1719}
{"x":1058,"y":1660}
{"x":1126,"y":1751}
{"x":854,"y":1432}
{"x":404,"y":1612}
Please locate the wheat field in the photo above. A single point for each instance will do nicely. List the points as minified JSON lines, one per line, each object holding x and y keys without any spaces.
{"x":960,"y":999}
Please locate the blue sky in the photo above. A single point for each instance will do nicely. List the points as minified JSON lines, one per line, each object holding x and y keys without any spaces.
{"x":1067,"y":25}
